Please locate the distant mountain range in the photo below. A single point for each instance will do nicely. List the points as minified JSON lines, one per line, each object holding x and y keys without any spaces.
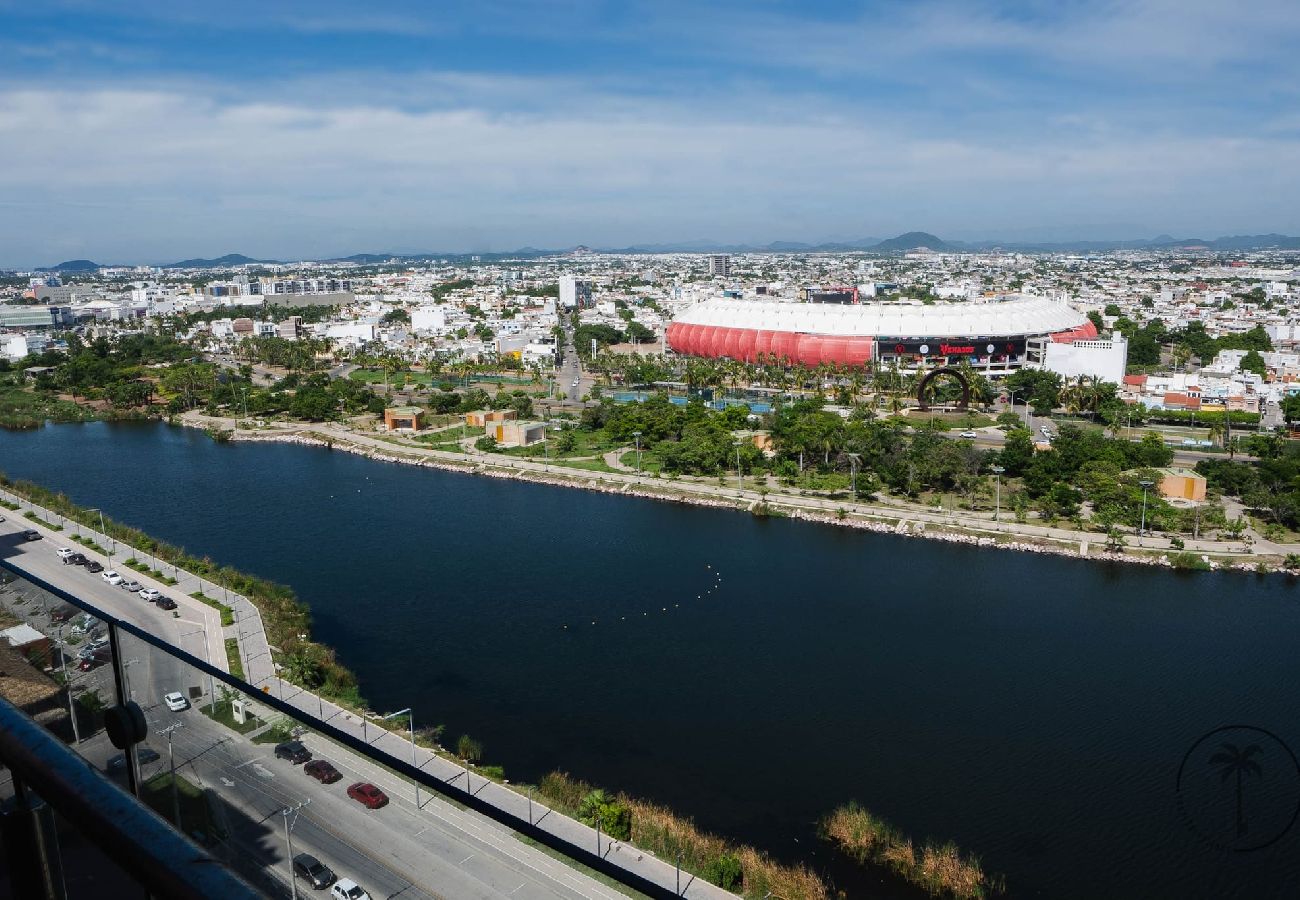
{"x":912,"y":240}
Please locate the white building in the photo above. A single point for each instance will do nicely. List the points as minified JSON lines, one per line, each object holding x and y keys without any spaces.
{"x":1094,"y":358}
{"x":574,"y":292}
{"x":429,"y":318}
{"x":720,"y":265}
{"x":14,"y":347}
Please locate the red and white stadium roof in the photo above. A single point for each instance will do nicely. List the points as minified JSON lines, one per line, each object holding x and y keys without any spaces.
{"x":813,"y":333}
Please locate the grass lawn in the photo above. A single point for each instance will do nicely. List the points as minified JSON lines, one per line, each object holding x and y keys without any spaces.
{"x":226,"y":716}
{"x":196,"y":814}
{"x":591,"y":465}
{"x":278,"y":732}
{"x":650,"y":463}
{"x":23,"y":408}
{"x":951,"y":419}
{"x":232,"y":658}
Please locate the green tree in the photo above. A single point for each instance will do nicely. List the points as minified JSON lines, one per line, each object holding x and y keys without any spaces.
{"x":1253,"y":362}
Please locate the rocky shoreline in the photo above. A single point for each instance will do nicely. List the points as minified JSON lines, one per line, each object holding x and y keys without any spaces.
{"x":594,"y":482}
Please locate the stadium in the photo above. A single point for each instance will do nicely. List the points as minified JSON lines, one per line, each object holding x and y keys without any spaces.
{"x":996,"y":337}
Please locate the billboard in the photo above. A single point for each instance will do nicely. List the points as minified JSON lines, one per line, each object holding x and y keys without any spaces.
{"x":972,"y":348}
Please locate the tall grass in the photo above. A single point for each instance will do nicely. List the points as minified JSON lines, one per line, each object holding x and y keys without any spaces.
{"x":941,"y":870}
{"x":667,"y":835}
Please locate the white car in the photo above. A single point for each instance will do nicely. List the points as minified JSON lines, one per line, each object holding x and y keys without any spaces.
{"x":64,"y":552}
{"x":112,"y":577}
{"x":150,"y":594}
{"x":969,"y":434}
{"x":176,"y":701}
{"x":347,"y":889}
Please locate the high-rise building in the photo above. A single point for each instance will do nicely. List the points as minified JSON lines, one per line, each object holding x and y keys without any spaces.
{"x":719,"y":265}
{"x":574,"y":292}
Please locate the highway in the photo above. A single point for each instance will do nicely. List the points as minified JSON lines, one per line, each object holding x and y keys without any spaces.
{"x":435,"y":850}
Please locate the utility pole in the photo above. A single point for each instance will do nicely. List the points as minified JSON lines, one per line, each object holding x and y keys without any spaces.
{"x":171,"y":764}
{"x":67,"y":686}
{"x":1145,"y":486}
{"x":288,"y":839}
{"x":410,"y":718}
{"x":997,"y":502}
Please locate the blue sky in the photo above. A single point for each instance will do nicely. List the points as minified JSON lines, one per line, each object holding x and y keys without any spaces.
{"x":146,"y":132}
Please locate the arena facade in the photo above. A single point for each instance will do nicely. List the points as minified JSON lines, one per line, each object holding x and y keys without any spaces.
{"x":997,"y":336}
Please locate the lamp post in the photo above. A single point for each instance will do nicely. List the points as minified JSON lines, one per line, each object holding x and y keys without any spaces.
{"x":207,"y":658}
{"x":171,"y":764}
{"x":853,"y":473}
{"x":997,"y":502}
{"x":67,"y":686}
{"x":288,"y":839}
{"x":1146,"y":485}
{"x":410,"y":718}
{"x":637,"y":436}
{"x":104,"y":530}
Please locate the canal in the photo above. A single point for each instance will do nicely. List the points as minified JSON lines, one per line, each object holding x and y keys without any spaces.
{"x":1045,"y":713}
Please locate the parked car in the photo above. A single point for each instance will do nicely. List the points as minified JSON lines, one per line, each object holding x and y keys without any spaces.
{"x":92,"y":567}
{"x":142,"y":753}
{"x":31,"y":534}
{"x":150,"y":594}
{"x":969,"y":434}
{"x":76,"y":559}
{"x":86,"y":624}
{"x":176,"y":701}
{"x":64,"y":552}
{"x":294,"y":751}
{"x":368,"y":795}
{"x":322,"y":771}
{"x":95,"y":658}
{"x":312,"y":870}
{"x":347,"y":889}
{"x":112,"y":577}
{"x":65,"y":613}
{"x":132,"y":586}
{"x":166,"y":603}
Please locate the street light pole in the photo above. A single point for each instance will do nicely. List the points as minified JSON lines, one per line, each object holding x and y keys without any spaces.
{"x":637,"y":436}
{"x":410,"y":717}
{"x":67,"y":686}
{"x":288,"y":839}
{"x":853,"y":473}
{"x":1146,"y":484}
{"x":171,"y":764}
{"x":997,"y":502}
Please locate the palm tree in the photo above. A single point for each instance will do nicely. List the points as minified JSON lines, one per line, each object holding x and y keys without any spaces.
{"x":1234,"y":761}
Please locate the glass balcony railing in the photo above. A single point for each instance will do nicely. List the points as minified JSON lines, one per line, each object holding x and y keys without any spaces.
{"x":286,"y":790}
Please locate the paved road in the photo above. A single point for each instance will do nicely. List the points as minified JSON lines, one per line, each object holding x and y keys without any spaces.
{"x":569,"y":374}
{"x":195,"y":627}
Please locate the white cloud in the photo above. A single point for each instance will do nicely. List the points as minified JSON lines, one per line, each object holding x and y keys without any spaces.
{"x":131,"y":174}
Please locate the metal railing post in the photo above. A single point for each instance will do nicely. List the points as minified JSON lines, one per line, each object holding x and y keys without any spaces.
{"x":123,"y":697}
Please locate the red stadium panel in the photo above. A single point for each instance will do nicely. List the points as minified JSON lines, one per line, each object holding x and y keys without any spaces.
{"x":745,"y":344}
{"x":785,"y":345}
{"x":731,"y":342}
{"x":1077,"y":333}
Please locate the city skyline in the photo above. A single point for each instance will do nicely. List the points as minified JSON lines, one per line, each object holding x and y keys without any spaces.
{"x":306,"y":132}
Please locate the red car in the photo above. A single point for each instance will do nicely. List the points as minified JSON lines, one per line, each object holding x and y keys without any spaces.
{"x":367,"y":794}
{"x":322,"y":771}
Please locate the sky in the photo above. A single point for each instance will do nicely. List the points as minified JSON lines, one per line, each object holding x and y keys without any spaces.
{"x":149,"y":132}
